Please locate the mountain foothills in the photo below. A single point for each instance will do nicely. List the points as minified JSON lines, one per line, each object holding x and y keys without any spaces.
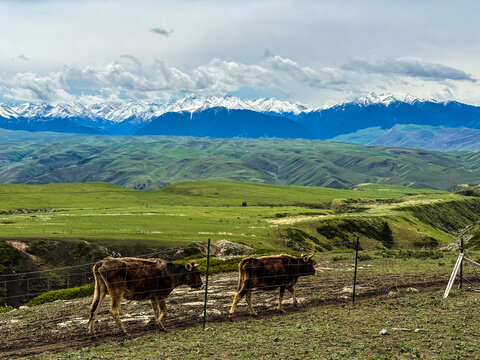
{"x":388,"y":120}
{"x":150,"y":162}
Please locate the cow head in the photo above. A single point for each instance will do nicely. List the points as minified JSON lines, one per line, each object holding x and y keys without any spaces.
{"x":307,"y":265}
{"x":194,"y":279}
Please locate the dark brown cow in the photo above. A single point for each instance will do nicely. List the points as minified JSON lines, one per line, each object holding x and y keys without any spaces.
{"x":270,"y":273}
{"x":139,"y":279}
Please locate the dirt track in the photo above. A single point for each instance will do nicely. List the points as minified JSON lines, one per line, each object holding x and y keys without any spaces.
{"x":63,"y":325}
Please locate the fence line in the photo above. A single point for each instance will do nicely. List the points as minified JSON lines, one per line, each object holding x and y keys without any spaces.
{"x":307,"y":283}
{"x":72,"y":266}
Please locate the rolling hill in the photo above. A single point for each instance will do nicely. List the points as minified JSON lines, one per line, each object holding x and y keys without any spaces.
{"x":150,"y":162}
{"x":417,"y":136}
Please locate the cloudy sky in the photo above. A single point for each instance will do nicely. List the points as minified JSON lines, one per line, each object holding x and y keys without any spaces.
{"x":314,"y":52}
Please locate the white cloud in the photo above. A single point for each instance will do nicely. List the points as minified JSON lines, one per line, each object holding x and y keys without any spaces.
{"x":110,"y":48}
{"x":407,"y":67}
{"x":135,"y":80}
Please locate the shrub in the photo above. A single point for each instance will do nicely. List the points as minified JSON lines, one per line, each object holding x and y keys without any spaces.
{"x":63,"y":294}
{"x":193,"y":257}
{"x":4,"y":309}
{"x":9,"y":256}
{"x":427,"y":242}
{"x":216,"y":265}
{"x":365,"y":256}
{"x":411,"y":254}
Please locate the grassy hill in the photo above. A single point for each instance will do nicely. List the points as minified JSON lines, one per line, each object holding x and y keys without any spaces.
{"x":417,"y":136}
{"x":183,"y":213}
{"x":154,"y":161}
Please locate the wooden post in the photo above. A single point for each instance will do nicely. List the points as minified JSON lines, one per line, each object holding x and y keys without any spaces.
{"x":355,"y":271}
{"x":206,"y":286}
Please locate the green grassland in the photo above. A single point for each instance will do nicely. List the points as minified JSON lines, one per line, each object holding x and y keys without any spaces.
{"x":184,"y":213}
{"x":150,"y":162}
{"x":447,"y":331}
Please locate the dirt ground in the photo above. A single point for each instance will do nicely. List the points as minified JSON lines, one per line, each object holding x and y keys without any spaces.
{"x":62,"y":325}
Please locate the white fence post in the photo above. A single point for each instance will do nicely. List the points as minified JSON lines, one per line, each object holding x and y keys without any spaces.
{"x":454,"y":275}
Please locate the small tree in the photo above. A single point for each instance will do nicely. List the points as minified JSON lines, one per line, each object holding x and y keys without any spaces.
{"x":386,"y":235}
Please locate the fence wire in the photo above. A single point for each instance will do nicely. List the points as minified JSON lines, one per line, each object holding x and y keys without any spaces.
{"x":65,"y":323}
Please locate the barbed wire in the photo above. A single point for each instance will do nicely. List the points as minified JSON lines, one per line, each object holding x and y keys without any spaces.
{"x":311,"y":285}
{"x":305,"y":285}
{"x":72,"y":266}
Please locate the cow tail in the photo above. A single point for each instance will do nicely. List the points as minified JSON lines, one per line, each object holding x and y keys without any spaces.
{"x":241,"y":275}
{"x":96,"y":294}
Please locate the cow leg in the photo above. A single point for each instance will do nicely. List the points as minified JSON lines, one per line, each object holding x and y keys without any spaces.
{"x":280,"y":299}
{"x":248,"y":297}
{"x":115,"y":310}
{"x":293,"y":290}
{"x":156,"y":310}
{"x":240,"y":294}
{"x":163,"y":312}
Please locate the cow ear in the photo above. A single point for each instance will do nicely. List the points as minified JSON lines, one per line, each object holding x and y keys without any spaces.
{"x":189,"y":266}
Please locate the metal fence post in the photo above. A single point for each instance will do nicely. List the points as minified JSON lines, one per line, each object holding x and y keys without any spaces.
{"x":460,"y":284}
{"x":206,"y":286}
{"x":355,"y":271}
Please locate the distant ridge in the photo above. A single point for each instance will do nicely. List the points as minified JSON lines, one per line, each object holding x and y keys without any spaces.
{"x":230,"y":116}
{"x":150,"y":162}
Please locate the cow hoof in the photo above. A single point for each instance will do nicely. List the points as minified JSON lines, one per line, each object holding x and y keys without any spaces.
{"x":281,"y":311}
{"x":254,"y":314}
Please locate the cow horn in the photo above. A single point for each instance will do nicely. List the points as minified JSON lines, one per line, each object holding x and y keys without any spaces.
{"x":307,"y":257}
{"x":195,"y":264}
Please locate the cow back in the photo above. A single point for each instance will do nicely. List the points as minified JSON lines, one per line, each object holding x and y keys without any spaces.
{"x":270,"y":272}
{"x":138,"y":279}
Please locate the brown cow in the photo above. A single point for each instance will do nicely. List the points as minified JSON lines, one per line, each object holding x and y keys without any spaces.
{"x":139,"y":279}
{"x":270,"y":273}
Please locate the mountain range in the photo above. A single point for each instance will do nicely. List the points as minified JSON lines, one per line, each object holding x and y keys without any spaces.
{"x":389,"y":120}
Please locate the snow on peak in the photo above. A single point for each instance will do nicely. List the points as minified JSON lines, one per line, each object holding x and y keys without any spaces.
{"x":142,"y":110}
{"x":387,"y":99}
{"x":138,"y":110}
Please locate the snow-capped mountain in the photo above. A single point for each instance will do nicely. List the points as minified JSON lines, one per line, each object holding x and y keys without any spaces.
{"x":141,"y":111}
{"x":230,"y":116}
{"x":389,"y":98}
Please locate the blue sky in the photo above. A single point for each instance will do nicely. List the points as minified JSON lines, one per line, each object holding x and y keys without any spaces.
{"x":315,"y":52}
